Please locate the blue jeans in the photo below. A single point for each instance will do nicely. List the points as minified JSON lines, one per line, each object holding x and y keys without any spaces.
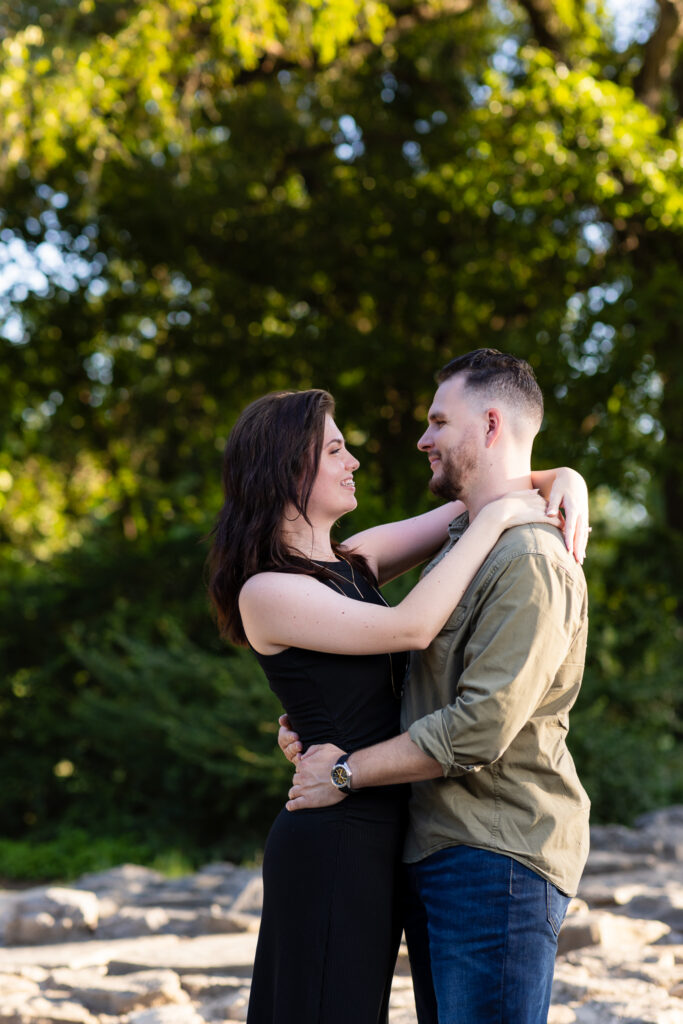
{"x":483,"y":929}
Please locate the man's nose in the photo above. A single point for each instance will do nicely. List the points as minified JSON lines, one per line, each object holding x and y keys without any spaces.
{"x":425,"y":442}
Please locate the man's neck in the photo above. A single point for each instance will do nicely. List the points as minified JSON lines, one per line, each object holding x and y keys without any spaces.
{"x":495,"y":487}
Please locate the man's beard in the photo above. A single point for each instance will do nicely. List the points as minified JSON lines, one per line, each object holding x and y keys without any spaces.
{"x":456,"y":469}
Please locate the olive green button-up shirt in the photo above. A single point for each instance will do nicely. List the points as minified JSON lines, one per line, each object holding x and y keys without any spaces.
{"x":489,"y":700}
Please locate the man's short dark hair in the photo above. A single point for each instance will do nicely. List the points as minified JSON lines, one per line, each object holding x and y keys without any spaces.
{"x":504,"y":376}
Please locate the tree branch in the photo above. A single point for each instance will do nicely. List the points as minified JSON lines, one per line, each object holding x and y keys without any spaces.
{"x":549,"y":30}
{"x":659,"y":54}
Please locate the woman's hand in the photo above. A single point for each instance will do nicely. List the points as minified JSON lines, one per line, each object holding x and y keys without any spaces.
{"x":288,"y":740}
{"x":570,"y":493}
{"x":569,"y":490}
{"x":520,"y":507}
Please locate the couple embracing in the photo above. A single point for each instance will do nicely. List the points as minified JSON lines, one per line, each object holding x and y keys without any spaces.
{"x":478,"y":857}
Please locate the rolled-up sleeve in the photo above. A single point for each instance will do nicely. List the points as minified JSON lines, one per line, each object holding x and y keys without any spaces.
{"x":520,"y":637}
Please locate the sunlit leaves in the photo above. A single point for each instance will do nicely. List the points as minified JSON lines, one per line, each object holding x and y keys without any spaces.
{"x":136,"y":88}
{"x":305,"y":32}
{"x":46,"y":510}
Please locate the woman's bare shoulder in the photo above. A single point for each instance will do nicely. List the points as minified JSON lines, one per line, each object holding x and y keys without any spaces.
{"x":267,"y":585}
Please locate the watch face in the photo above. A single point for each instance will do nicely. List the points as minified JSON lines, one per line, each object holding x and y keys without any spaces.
{"x":340,"y":775}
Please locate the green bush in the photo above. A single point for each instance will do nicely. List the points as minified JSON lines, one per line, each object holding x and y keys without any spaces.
{"x":626,"y":730}
{"x":75,"y":852}
{"x":114,"y":722}
{"x":181,"y":738}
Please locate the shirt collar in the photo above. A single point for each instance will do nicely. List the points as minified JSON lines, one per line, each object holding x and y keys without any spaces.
{"x":457,"y":526}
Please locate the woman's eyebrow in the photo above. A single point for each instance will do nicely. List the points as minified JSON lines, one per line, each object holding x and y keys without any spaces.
{"x":335,"y":440}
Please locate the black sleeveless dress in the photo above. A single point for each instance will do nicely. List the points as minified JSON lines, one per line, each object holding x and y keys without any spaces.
{"x":331,"y":923}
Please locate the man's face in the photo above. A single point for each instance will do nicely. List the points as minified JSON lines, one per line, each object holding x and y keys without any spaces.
{"x":453,"y":441}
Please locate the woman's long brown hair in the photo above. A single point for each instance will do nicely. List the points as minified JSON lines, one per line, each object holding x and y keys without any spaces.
{"x":270,"y":463}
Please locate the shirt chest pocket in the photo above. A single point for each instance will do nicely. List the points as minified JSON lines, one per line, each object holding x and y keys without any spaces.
{"x":444,"y":642}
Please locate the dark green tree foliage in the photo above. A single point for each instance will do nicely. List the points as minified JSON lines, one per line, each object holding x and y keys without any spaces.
{"x":214,"y":200}
{"x":120,"y":724}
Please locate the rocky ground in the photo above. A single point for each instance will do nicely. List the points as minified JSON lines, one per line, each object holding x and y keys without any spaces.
{"x":131,"y":946}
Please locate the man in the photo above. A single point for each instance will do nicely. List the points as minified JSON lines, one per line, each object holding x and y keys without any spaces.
{"x":498,"y":831}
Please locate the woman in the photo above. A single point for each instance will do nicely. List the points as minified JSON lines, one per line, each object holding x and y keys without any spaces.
{"x":331,"y":649}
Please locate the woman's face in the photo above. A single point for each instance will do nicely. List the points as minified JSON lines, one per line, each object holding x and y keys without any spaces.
{"x":333,"y":492}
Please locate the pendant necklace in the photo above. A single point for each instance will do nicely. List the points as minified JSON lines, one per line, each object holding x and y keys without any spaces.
{"x":352,"y":581}
{"x":397,"y":694}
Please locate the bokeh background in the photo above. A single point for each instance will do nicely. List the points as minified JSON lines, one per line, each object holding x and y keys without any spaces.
{"x":203,"y":200}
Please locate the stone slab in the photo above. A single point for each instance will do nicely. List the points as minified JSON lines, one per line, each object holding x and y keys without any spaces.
{"x":166,"y":1015}
{"x":88,"y":953}
{"x":207,"y":954}
{"x":117,"y":996}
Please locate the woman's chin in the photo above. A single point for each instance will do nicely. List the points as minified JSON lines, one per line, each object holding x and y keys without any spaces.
{"x":349,"y":505}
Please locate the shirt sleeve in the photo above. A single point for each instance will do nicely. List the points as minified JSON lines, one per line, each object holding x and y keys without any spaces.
{"x":521,"y":636}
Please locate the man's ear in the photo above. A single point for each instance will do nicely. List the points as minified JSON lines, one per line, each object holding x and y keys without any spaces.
{"x":494,"y":426}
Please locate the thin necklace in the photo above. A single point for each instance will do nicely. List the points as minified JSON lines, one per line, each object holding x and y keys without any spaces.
{"x":344,"y":579}
{"x":397,"y":693}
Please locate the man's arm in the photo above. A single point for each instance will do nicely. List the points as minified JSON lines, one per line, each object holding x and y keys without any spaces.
{"x":523,"y":632}
{"x":384,"y":764}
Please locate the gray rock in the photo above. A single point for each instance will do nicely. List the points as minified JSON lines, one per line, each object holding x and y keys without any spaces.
{"x":578,"y":931}
{"x":127,"y":880}
{"x":131,"y":890}
{"x":130,"y":922}
{"x":215,"y":920}
{"x":52,"y":914}
{"x":178,"y":899}
{"x":229,"y":1006}
{"x":661,"y":818}
{"x":668,"y":908}
{"x":595,"y":998}
{"x":43,"y":1010}
{"x":13,"y":984}
{"x":209,"y":986}
{"x":561,"y":1014}
{"x":599,"y":928}
{"x":120,"y":995}
{"x":78,"y":955}
{"x":619,"y":932}
{"x":601,"y":862}
{"x":37,"y":974}
{"x":207,"y":954}
{"x":666,"y":826}
{"x":621,"y":888}
{"x":250,"y":898}
{"x":657,"y":832}
{"x":167,"y":1015}
{"x":621,"y":947}
{"x":619,"y":838}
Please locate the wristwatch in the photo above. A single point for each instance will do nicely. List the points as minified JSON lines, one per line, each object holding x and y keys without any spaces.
{"x":340,"y":775}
